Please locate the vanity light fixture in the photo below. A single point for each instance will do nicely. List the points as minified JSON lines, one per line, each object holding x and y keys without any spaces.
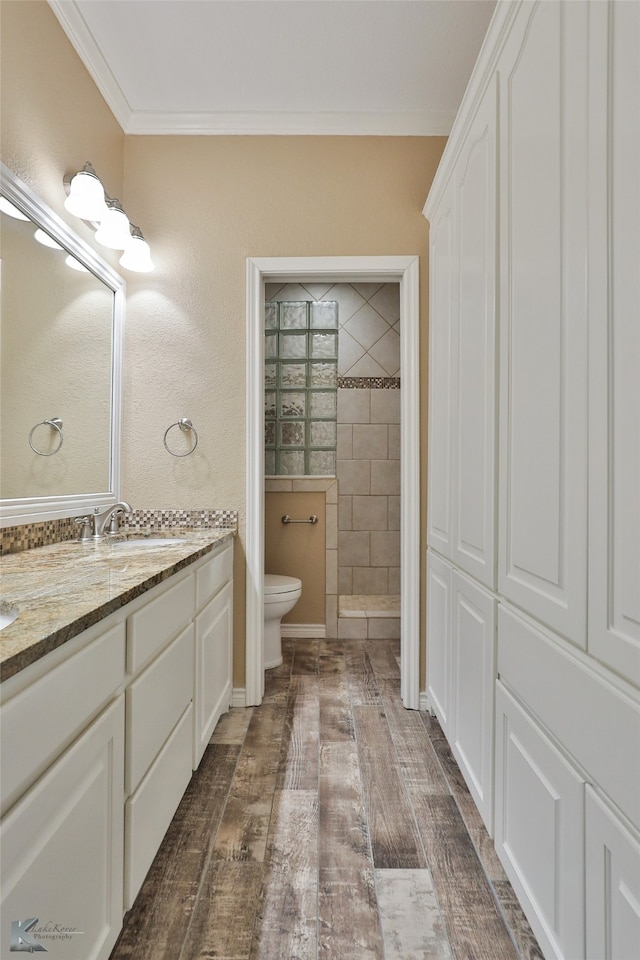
{"x":86,"y":195}
{"x":88,"y":200}
{"x":137,"y":255}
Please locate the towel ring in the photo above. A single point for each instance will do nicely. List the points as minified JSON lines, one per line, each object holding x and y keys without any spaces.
{"x":186,"y":426}
{"x":56,"y":424}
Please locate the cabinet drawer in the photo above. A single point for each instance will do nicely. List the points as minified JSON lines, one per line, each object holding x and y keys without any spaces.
{"x":155,"y":701}
{"x":150,"y":810}
{"x":162,"y":619}
{"x":44,"y":718}
{"x":213,"y":575}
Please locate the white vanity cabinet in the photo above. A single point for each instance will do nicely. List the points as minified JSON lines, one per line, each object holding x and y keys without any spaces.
{"x":179,"y":650}
{"x":63,"y":765}
{"x":99,"y":740}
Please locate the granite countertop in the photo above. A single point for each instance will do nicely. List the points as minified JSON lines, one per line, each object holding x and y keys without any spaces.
{"x":62,"y":589}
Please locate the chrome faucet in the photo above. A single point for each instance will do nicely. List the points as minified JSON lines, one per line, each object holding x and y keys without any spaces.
{"x":98,"y":521}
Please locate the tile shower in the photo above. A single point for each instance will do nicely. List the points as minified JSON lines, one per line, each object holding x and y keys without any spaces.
{"x":363,"y":533}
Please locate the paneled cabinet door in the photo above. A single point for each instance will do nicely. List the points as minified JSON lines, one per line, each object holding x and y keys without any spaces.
{"x":474,"y":367}
{"x":544,"y":93}
{"x":439,"y":638}
{"x":473,"y":682}
{"x":213,"y":668}
{"x":614,"y":287}
{"x":62,"y":850}
{"x":442,"y":308}
{"x":539,"y":824}
{"x":613,"y":884}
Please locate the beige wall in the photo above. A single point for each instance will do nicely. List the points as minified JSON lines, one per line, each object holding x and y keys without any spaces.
{"x":205,"y":204}
{"x":298,"y":549}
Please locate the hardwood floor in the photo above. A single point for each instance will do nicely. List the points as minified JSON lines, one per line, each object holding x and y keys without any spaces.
{"x":329,"y":822}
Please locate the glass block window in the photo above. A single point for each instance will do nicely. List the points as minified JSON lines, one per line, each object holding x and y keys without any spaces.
{"x":301,"y":381}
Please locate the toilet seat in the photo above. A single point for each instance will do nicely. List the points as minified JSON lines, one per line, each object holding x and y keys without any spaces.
{"x":276,"y":584}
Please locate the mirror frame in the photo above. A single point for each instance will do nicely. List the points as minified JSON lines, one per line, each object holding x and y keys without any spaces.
{"x":33,"y":509}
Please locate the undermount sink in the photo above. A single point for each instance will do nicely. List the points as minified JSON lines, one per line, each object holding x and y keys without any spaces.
{"x":149,"y":542}
{"x":7,"y":616}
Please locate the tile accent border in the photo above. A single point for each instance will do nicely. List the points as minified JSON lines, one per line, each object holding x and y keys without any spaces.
{"x":30,"y":535}
{"x":369,"y":383}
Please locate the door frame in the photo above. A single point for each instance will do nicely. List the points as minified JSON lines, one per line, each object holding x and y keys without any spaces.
{"x":402,"y":270}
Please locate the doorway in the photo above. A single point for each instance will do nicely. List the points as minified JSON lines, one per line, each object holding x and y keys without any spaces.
{"x":401,"y":270}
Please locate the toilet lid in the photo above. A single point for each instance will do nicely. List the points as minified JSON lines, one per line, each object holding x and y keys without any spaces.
{"x":276,"y":583}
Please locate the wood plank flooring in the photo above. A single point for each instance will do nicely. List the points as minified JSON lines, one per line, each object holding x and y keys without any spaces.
{"x":331,"y":823}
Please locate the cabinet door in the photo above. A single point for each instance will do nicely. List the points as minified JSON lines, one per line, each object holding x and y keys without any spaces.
{"x":543,"y":327}
{"x":613,"y":884}
{"x":473,"y":682}
{"x":539,"y":829}
{"x":442,"y":309}
{"x":614,"y":286}
{"x":439,"y":637}
{"x":62,"y":850}
{"x":213,"y":668}
{"x":474,"y":367}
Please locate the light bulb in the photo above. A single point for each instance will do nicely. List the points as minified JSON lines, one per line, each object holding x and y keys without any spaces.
{"x":113,"y":231}
{"x":137,"y":255}
{"x":86,"y":196}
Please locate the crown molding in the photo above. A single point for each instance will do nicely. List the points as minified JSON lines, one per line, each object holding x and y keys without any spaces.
{"x":284,"y":123}
{"x":82,"y":40}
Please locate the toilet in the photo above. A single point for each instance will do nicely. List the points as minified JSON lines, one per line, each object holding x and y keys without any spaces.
{"x":280,"y":596}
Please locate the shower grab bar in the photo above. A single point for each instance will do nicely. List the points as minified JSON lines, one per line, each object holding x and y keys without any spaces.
{"x":287,"y":519}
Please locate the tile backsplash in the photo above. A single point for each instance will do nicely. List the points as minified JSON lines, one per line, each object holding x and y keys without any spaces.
{"x":29,"y":535}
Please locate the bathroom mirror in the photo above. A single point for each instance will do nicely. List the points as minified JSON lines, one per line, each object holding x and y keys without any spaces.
{"x":61,"y":325}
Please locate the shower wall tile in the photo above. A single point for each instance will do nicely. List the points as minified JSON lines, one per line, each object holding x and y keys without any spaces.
{"x":345,"y":513}
{"x":331,"y":536}
{"x":331,"y":617}
{"x":354,"y":548}
{"x":384,"y":546}
{"x":332,"y":572}
{"x":366,"y":326}
{"x":345,"y":581}
{"x":345,"y":441}
{"x":354,"y":476}
{"x":370,"y":441}
{"x":387,"y":302}
{"x":394,"y":579}
{"x":384,"y":406}
{"x":386,"y":352}
{"x":367,"y":290}
{"x":370,"y":581}
{"x":332,"y":491}
{"x":367,"y":367}
{"x":354,"y":406}
{"x":393,"y":516}
{"x":394,"y":441}
{"x":385,"y":477}
{"x":369,"y":513}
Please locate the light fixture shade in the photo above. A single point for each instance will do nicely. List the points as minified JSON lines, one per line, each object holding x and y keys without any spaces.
{"x":7,"y":207}
{"x":113,"y":231}
{"x":42,"y":237}
{"x":137,"y":255}
{"x":86,"y":196}
{"x":75,"y":264}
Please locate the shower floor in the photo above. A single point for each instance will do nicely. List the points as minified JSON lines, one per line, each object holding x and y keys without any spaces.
{"x":365,"y":605}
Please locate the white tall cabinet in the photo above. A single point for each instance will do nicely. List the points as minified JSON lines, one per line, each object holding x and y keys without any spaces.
{"x":533,"y":530}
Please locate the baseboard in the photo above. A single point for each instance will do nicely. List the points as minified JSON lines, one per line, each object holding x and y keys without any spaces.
{"x":305,"y":631}
{"x":238,"y":697}
{"x":424,"y":702}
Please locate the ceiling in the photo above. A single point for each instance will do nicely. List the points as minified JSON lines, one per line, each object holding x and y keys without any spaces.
{"x":386,"y":67}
